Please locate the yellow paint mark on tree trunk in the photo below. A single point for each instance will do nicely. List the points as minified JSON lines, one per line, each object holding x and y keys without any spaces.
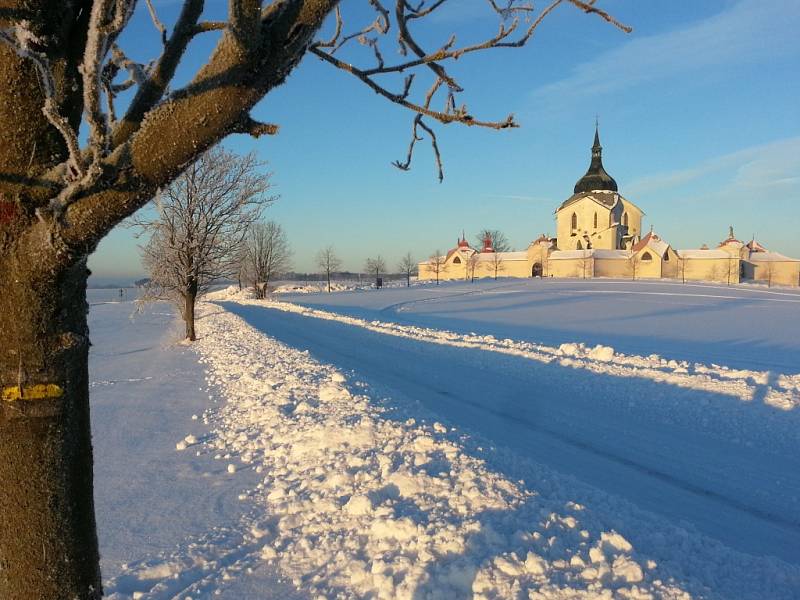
{"x":40,"y":391}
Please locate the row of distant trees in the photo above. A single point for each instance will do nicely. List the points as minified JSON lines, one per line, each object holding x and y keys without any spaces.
{"x":329,"y":263}
{"x":207,"y":226}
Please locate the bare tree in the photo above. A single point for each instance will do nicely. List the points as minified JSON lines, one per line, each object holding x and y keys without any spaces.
{"x":202,"y":219}
{"x":62,"y":66}
{"x":377,"y":266}
{"x":328,"y":263}
{"x":437,"y":263}
{"x":586,"y":261}
{"x":473,"y":261}
{"x":499,"y":240}
{"x":496,"y":263}
{"x":769,"y":266}
{"x":633,"y":265}
{"x":682,"y":267}
{"x":408,"y":266}
{"x":266,"y":254}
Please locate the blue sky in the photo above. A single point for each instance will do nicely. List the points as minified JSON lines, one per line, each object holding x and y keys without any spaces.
{"x":698,"y":121}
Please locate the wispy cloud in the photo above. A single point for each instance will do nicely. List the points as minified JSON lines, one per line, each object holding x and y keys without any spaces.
{"x":750,"y":30}
{"x":763,"y":167}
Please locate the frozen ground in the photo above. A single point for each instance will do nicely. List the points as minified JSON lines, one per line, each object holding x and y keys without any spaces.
{"x":459,"y":441}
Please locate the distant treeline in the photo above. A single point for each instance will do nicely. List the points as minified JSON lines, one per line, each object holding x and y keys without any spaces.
{"x":338,"y":276}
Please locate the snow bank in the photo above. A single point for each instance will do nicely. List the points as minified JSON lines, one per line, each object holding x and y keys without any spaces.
{"x":781,"y":391}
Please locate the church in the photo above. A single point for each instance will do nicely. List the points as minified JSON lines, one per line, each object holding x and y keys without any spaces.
{"x":599,"y":234}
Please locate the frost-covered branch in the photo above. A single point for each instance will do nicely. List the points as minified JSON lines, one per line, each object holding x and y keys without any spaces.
{"x":512,"y":33}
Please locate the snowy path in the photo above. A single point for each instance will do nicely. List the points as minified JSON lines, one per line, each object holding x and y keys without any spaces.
{"x":361,"y":497}
{"x":733,"y":474}
{"x":170,"y":523}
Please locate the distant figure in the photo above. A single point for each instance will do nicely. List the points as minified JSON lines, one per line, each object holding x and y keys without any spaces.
{"x":121,"y":293}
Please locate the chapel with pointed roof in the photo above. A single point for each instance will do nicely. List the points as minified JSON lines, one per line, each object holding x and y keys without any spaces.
{"x":596,"y":215}
{"x":599,"y":234}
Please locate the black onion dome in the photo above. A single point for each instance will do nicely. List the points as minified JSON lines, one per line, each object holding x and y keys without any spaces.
{"x":596,"y":177}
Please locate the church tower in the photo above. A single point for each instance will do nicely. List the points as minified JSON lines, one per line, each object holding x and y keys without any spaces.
{"x":596,"y":177}
{"x":596,"y":216}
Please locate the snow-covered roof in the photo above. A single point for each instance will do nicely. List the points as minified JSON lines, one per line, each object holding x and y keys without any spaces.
{"x":570,"y":254}
{"x":605,"y":198}
{"x":771,"y":257}
{"x":652,"y":241}
{"x":598,"y":253}
{"x":612,"y":254}
{"x":755,"y":246}
{"x":701,"y":253}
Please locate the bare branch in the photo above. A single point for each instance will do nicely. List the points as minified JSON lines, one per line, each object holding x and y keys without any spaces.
{"x":156,"y":22}
{"x":254,"y":128}
{"x":406,"y":165}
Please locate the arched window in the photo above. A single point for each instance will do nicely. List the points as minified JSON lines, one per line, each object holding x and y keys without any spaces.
{"x":574,"y":221}
{"x":666,"y":255}
{"x":595,"y":220}
{"x":625,"y":219}
{"x":456,"y":261}
{"x":646,"y":256}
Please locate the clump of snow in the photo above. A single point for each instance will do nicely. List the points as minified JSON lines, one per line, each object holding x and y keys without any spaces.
{"x":602,"y":353}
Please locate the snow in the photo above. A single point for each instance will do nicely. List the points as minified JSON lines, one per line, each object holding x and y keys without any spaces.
{"x":702,"y":253}
{"x":570,"y":254}
{"x":512,"y":439}
{"x":658,"y":245}
{"x":611,"y":254}
{"x":770,"y":257}
{"x":169,"y":522}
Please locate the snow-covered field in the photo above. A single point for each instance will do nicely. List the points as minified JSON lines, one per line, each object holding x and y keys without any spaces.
{"x":511,"y":439}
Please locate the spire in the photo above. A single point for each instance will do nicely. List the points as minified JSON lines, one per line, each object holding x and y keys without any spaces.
{"x":597,"y":149}
{"x":596,"y":177}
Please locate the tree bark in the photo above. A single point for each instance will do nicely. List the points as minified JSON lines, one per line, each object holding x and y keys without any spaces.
{"x":48,"y":544}
{"x":189,"y":300}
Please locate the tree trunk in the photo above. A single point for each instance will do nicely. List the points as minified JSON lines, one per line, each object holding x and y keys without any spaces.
{"x":189,"y":300}
{"x":48,"y":540}
{"x":329,"y":283}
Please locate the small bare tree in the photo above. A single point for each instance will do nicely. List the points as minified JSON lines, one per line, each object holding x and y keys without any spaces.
{"x":202,"y":219}
{"x":769,"y":267}
{"x":472,"y":265}
{"x":496,"y":263}
{"x":682,"y":268}
{"x":408,"y":266}
{"x":437,"y":263}
{"x":633,"y":265}
{"x":266,"y":253}
{"x":499,"y":240}
{"x":377,"y":266}
{"x":585,"y":262}
{"x":328,"y":263}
